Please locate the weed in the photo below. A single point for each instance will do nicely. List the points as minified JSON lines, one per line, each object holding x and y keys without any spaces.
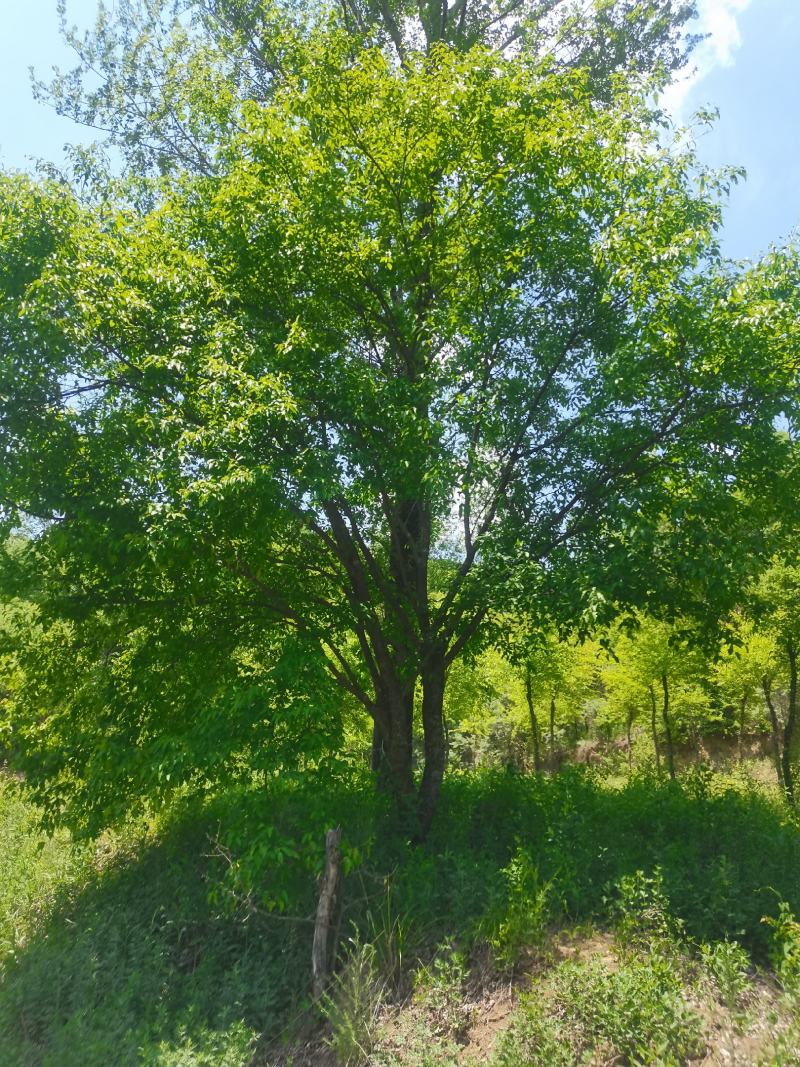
{"x":518,"y":921}
{"x":786,"y":959}
{"x":638,"y":1011}
{"x":786,"y":1050}
{"x":121,"y":952}
{"x":439,"y":986}
{"x":643,"y":918}
{"x":388,"y":930}
{"x":786,"y":949}
{"x":535,"y":1037}
{"x":352,"y":1004}
{"x":727,"y":963}
{"x":203,"y":1047}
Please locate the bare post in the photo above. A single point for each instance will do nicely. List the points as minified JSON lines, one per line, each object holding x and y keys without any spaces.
{"x":321,"y":951}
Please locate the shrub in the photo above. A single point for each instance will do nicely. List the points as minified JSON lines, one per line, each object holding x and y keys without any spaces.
{"x":643,"y":921}
{"x":439,"y":987}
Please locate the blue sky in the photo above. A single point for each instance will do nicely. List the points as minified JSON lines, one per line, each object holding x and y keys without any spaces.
{"x":749,"y":68}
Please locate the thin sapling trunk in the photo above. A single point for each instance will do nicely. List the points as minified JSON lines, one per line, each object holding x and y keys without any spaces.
{"x":667,"y":726}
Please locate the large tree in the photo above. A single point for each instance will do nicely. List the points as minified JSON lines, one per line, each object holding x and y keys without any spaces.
{"x":429,"y":341}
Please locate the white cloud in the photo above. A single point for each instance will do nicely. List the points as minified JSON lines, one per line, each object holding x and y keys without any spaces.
{"x":718,"y":19}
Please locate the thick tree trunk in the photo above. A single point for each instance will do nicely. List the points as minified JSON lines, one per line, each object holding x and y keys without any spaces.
{"x":377,"y":760}
{"x":399,"y":711}
{"x":654,"y":726}
{"x":401,"y":645}
{"x":397,"y":669}
{"x":435,"y":742}
{"x":537,"y":754}
{"x":774,"y":730}
{"x":667,"y":726}
{"x":392,"y":743}
{"x":392,"y":756}
{"x":789,"y":740}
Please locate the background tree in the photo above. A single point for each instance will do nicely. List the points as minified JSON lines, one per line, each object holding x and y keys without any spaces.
{"x":662,"y":663}
{"x":777,"y":595}
{"x":487,"y":713}
{"x":626,"y":697}
{"x":745,"y":673}
{"x":558,"y":674}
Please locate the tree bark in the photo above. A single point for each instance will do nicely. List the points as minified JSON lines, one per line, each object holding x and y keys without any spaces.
{"x":435,"y":745}
{"x":392,"y":742}
{"x":774,"y":730}
{"x":537,"y":755}
{"x":392,"y":642}
{"x":398,"y":710}
{"x":378,"y":751}
{"x":667,"y":726}
{"x":654,"y":726}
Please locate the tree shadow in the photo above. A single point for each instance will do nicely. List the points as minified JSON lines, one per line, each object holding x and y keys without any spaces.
{"x":135,"y":963}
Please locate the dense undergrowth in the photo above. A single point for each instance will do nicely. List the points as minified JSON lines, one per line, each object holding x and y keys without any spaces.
{"x":186,"y":939}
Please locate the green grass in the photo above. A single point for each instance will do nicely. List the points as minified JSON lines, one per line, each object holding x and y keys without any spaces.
{"x":152,"y":946}
{"x":728,"y":852}
{"x":636,"y":1014}
{"x":121,"y":959}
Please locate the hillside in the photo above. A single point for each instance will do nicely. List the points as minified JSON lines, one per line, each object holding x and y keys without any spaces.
{"x":547,"y":920}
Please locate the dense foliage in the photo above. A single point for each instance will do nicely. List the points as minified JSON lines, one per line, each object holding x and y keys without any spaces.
{"x":424,"y":346}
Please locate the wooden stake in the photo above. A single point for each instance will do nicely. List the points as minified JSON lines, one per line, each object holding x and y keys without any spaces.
{"x":322,"y":950}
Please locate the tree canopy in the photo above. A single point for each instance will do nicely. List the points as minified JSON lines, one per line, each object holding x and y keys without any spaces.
{"x":167,"y":81}
{"x":430,"y":340}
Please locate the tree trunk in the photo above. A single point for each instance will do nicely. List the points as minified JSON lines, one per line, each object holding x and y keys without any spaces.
{"x":629,"y":726}
{"x":654,"y":726}
{"x":791,"y":723}
{"x":392,"y":743}
{"x":393,"y":755}
{"x":409,"y":548}
{"x":399,"y":712}
{"x":378,"y":753}
{"x":774,"y":730}
{"x":400,"y":645}
{"x":667,"y":726}
{"x":552,"y":733}
{"x":433,"y":681}
{"x":537,"y":755}
{"x":694,"y":737}
{"x":742,"y":709}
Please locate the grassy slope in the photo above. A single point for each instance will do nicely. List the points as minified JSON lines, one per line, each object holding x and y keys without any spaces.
{"x":119,"y":952}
